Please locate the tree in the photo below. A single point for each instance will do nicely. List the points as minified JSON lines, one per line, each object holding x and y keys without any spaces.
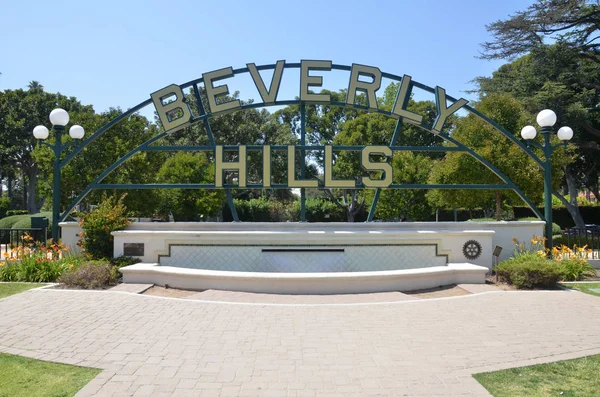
{"x":569,"y":66}
{"x":88,"y":164}
{"x":189,"y":204}
{"x":554,"y":77}
{"x":20,"y":111}
{"x":485,"y":140}
{"x":412,"y":204}
{"x":572,"y":22}
{"x":243,"y":127}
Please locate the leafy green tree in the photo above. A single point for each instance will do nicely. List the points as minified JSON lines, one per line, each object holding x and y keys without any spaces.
{"x":244,"y":127}
{"x":189,"y":204}
{"x":461,"y":168}
{"x":572,"y":22}
{"x":411,"y":204}
{"x":88,"y":164}
{"x":563,"y":76}
{"x":20,"y":111}
{"x":554,"y":77}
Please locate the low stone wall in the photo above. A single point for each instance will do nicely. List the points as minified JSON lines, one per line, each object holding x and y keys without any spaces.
{"x":305,"y":283}
{"x":156,"y":237}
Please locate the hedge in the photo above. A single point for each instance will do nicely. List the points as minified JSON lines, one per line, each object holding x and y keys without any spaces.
{"x":560,"y":215}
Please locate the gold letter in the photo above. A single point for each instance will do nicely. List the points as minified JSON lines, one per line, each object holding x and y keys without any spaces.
{"x":402,"y":101}
{"x":443,"y":111}
{"x":292,"y":181}
{"x":329,"y":181}
{"x":221,"y":166}
{"x":166,"y":111}
{"x":267,"y":166}
{"x":382,"y":166}
{"x":212,"y":92}
{"x":357,"y":85}
{"x":271,"y":95}
{"x":312,"y":81}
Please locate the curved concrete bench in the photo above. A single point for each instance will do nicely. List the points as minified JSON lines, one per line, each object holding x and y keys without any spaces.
{"x":305,"y":283}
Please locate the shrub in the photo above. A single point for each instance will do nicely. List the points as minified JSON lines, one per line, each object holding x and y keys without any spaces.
{"x":16,"y":212}
{"x":573,"y":262}
{"x":9,"y":221}
{"x":123,"y":261}
{"x":110,"y":215}
{"x":90,"y":275}
{"x":529,"y":271}
{"x":4,"y":206}
{"x":34,"y":263}
{"x":576,"y":269}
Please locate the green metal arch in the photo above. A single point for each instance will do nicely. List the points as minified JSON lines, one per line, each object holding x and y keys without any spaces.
{"x":205,"y":118}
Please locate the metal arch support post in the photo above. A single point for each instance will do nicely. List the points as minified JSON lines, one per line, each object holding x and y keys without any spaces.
{"x":303,"y":156}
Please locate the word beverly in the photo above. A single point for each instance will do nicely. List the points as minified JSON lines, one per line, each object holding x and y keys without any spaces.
{"x":380,"y":167}
{"x":176,"y":114}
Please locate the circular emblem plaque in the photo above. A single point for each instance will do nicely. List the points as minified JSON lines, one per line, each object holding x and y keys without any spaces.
{"x":472,"y":249}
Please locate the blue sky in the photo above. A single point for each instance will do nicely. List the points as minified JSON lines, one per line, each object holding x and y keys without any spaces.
{"x":115,"y":53}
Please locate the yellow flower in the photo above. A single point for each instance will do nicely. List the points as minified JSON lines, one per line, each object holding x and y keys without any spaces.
{"x":515,"y":240}
{"x":541,"y":253}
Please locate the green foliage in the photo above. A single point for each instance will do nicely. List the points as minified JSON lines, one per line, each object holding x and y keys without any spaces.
{"x":559,"y":239}
{"x":189,"y":204}
{"x":576,"y":269}
{"x":25,"y":221}
{"x":560,"y":77}
{"x":26,"y":377}
{"x":569,"y":378}
{"x":4,"y":206}
{"x":482,"y":220}
{"x":412,"y":204}
{"x":9,"y":221}
{"x":123,"y":261}
{"x":588,"y":288}
{"x":319,"y":210}
{"x":36,"y":263}
{"x":21,"y":111}
{"x":461,"y":168}
{"x":16,"y":212}
{"x":529,"y":271}
{"x":7,"y":289}
{"x":96,"y":240}
{"x":254,"y":210}
{"x":90,"y":275}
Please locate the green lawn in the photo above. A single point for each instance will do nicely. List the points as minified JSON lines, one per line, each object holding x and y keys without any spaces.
{"x":7,"y":289}
{"x":584,"y":287}
{"x":26,"y":377}
{"x":577,"y":377}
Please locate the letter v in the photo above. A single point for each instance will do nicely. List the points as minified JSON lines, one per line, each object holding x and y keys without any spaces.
{"x":271,"y":95}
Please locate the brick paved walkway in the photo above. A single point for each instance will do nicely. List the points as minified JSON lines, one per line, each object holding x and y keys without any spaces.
{"x":150,"y":346}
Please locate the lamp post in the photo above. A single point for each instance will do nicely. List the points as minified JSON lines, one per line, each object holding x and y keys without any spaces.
{"x":546,"y":119}
{"x":59,"y":119}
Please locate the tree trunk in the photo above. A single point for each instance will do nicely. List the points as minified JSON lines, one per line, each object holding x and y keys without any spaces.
{"x":350,"y":216}
{"x":25,"y":189}
{"x":571,"y":205}
{"x":498,"y":206}
{"x":32,"y":207}
{"x":9,"y":186}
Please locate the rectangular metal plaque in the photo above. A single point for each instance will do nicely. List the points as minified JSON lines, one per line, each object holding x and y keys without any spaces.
{"x":133,"y":249}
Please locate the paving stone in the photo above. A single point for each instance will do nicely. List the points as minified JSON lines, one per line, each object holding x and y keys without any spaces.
{"x":149,"y":346}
